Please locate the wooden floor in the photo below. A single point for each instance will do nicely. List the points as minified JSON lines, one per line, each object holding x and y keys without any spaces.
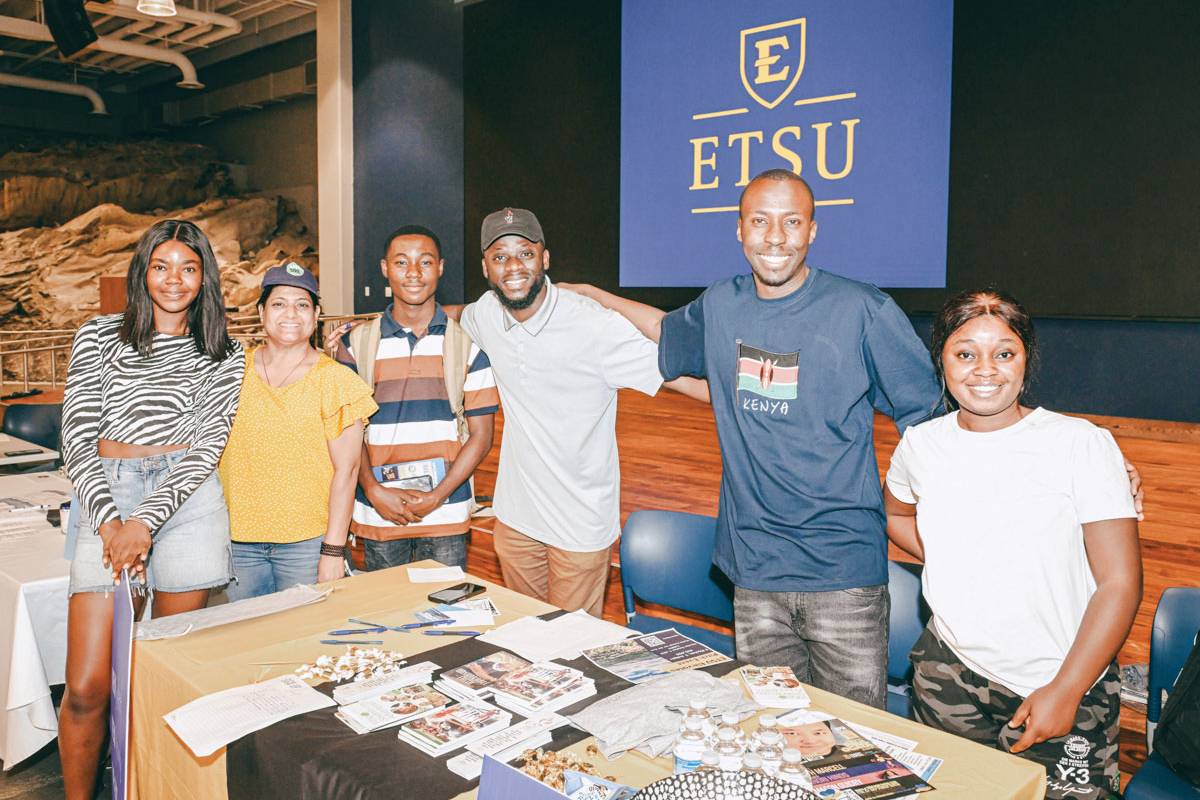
{"x":670,"y":460}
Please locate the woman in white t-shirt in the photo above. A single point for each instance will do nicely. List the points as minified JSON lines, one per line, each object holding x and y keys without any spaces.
{"x":1028,"y":531}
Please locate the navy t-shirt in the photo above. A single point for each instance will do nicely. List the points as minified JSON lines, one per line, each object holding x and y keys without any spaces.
{"x":793,"y":382}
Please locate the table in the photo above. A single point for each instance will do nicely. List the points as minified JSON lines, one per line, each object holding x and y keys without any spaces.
{"x":171,"y":672}
{"x":33,"y":621}
{"x":11,"y":444}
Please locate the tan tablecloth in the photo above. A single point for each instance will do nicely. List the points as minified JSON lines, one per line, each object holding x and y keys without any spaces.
{"x":169,"y":673}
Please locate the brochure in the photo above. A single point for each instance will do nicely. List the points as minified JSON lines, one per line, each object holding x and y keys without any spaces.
{"x":544,"y":686}
{"x":451,"y":728}
{"x":839,"y":759}
{"x":775,"y":687}
{"x":378,"y":684}
{"x":475,"y":679}
{"x":419,"y":476}
{"x":653,"y":654}
{"x":391,"y":708}
{"x":469,"y":765}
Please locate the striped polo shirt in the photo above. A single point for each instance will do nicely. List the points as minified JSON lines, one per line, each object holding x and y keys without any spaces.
{"x":415,"y":420}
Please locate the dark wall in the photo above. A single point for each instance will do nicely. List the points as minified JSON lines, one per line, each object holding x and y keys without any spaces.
{"x":408,"y":135}
{"x":1073,"y":167}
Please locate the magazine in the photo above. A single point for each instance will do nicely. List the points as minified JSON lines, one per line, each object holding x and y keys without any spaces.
{"x":839,"y":759}
{"x":475,"y":679}
{"x":775,"y":687}
{"x":653,"y":654}
{"x":544,"y":686}
{"x":419,"y":476}
{"x":391,"y":708}
{"x":378,"y":684}
{"x":451,"y":728}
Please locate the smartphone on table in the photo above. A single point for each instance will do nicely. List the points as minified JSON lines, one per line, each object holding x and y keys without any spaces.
{"x":454,"y":594}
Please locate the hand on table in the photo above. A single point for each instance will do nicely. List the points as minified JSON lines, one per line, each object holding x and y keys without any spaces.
{"x":1047,"y":713}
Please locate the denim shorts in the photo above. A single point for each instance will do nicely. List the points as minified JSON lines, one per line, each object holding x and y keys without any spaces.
{"x":191,"y":551}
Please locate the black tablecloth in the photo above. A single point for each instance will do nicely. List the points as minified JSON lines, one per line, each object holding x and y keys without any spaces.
{"x":316,"y":757}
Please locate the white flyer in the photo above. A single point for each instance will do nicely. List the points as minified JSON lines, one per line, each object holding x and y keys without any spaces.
{"x":469,"y":765}
{"x":378,"y":684}
{"x":435,"y":574}
{"x":502,"y":740}
{"x":209,"y":723}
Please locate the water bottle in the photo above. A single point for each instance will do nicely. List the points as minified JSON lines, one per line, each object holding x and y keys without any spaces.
{"x":752,"y":764}
{"x":730,"y":720}
{"x":709,"y":762}
{"x":698,"y":709}
{"x":766,"y":722}
{"x":728,"y":750}
{"x":770,"y":750}
{"x":791,"y":769}
{"x":689,"y":747}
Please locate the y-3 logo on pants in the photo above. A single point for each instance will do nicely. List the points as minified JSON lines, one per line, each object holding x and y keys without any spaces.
{"x":772,"y":375}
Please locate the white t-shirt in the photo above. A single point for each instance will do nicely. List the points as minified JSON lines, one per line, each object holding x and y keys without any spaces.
{"x":558,"y":374}
{"x":1000,"y":515}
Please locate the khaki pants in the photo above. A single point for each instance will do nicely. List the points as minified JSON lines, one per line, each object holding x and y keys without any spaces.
{"x":559,"y":577}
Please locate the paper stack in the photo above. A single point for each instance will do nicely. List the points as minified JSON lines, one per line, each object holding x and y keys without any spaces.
{"x":506,"y":744}
{"x":542,"y":687}
{"x":775,"y":687}
{"x":391,"y":708}
{"x":378,"y":684}
{"x":451,"y":728}
{"x":473,"y":681}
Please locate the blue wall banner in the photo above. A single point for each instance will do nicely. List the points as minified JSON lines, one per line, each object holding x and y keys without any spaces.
{"x":852,"y":95}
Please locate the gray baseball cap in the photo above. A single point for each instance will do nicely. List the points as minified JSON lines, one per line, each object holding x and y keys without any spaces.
{"x":506,"y":221}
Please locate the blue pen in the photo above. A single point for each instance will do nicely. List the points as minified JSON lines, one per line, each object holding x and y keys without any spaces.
{"x":412,"y":625}
{"x":352,"y":641}
{"x":356,"y":631}
{"x":450,"y":633}
{"x":377,"y":625}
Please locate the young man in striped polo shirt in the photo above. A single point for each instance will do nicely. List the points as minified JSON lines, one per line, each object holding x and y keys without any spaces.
{"x":416,"y":420}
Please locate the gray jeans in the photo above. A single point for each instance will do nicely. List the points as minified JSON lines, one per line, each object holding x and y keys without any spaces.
{"x":837,"y":641}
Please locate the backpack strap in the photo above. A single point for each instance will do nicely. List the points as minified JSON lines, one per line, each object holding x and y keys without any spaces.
{"x":364,"y":346}
{"x":456,"y":350}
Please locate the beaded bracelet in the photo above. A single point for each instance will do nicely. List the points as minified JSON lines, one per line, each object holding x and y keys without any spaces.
{"x":335,"y":550}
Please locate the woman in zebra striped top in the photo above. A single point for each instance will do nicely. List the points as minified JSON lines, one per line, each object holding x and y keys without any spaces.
{"x":150,"y":398}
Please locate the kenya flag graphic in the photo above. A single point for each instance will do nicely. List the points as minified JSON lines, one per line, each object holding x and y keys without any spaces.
{"x":770,"y":374}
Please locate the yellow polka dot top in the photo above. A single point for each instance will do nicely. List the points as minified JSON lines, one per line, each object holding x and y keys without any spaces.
{"x":276,"y":468}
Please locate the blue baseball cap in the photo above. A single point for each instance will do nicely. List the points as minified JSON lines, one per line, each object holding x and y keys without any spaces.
{"x":290,"y":274}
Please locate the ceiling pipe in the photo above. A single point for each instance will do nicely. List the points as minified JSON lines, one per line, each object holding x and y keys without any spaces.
{"x":26,"y":29}
{"x":23,"y":82}
{"x":229,"y":26}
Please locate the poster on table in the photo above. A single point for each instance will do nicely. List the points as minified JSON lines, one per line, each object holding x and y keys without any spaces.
{"x":118,"y":705}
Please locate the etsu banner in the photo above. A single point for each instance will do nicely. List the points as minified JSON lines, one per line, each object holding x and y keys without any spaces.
{"x":853,"y":95}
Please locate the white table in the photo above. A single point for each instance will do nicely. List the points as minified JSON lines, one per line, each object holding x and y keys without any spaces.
{"x":33,"y":634}
{"x":11,"y":444}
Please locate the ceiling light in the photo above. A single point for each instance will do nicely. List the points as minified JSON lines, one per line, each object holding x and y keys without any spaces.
{"x":157,"y":8}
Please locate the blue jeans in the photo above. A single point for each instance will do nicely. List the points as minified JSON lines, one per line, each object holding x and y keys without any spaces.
{"x":450,"y":550}
{"x":837,"y":641}
{"x":265,"y":567}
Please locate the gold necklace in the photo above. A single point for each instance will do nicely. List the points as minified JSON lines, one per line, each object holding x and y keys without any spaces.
{"x":267,"y":374}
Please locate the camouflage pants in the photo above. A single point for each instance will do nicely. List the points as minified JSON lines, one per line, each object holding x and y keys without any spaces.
{"x":1083,"y":764}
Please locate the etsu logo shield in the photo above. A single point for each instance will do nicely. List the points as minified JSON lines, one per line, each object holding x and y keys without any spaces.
{"x":772,"y":60}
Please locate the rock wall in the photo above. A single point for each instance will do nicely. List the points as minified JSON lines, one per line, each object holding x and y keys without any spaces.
{"x":49,"y":277}
{"x":53,"y":184}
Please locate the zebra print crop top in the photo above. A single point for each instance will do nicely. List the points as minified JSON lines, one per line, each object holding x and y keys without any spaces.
{"x":174,"y":396}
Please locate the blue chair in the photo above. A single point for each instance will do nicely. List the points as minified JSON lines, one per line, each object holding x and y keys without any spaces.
{"x":905,"y":624}
{"x":666,"y":558}
{"x":39,"y":423}
{"x":1176,"y":624}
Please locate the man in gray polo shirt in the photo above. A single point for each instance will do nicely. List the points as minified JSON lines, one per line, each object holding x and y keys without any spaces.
{"x":558,"y":359}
